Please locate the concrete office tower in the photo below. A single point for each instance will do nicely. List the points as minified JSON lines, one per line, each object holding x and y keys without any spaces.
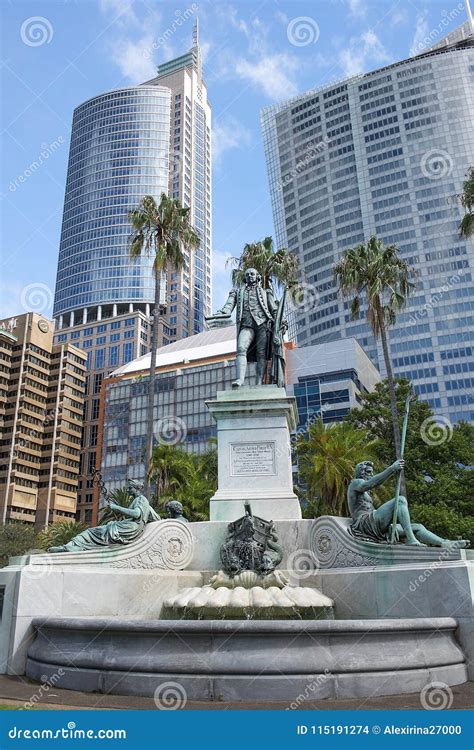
{"x":190,"y":182}
{"x":386,"y":153}
{"x":42,"y":388}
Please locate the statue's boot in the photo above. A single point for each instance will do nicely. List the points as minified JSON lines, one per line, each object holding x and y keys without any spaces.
{"x":240,"y":366}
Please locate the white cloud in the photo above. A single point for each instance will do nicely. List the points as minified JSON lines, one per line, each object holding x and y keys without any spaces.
{"x":135,"y":59}
{"x":227,"y":135}
{"x":398,"y":16}
{"x":357,"y":8}
{"x":362,"y":51}
{"x":272,"y":74}
{"x":138,"y":39}
{"x":422,"y":30}
{"x":121,"y":11}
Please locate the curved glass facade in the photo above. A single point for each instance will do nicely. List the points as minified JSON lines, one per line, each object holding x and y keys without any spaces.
{"x":119,"y":152}
{"x":385,"y":153}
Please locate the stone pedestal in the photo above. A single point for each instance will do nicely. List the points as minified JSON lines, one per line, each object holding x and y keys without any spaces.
{"x":254,"y":454}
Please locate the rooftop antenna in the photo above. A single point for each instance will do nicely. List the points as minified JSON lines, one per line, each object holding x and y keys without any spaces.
{"x":196,"y":33}
{"x":469,"y":15}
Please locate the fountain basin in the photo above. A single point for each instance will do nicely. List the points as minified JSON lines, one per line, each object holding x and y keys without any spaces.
{"x":240,"y":660}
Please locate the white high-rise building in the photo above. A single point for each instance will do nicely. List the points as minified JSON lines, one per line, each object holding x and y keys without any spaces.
{"x":386,"y":154}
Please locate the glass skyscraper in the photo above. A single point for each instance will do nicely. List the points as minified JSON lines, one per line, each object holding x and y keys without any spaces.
{"x":385,"y":153}
{"x":119,"y":152}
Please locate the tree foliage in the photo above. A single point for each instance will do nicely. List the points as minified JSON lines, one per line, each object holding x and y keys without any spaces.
{"x":466,"y":227}
{"x":16,"y":539}
{"x":374,"y":275}
{"x":190,"y":478}
{"x":327,"y":455}
{"x":276,"y":267}
{"x":59,"y":533}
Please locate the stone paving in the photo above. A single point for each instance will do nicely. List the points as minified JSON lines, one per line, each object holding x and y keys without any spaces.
{"x":16,"y":691}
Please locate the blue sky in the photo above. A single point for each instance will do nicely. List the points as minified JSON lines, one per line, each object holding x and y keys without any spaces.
{"x":57,"y":53}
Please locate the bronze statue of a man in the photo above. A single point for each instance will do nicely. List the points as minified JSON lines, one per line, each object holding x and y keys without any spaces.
{"x":373,"y":524}
{"x":259,"y":328}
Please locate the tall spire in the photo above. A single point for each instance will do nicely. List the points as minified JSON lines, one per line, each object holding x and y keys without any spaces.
{"x":196,"y":33}
{"x":469,"y":16}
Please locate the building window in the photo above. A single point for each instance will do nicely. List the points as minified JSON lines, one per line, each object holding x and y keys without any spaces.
{"x":128,"y":352}
{"x":87,"y":344}
{"x":99,"y":341}
{"x":116,"y":324}
{"x":102,"y":328}
{"x":98,"y":377}
{"x":99,"y":359}
{"x":95,"y":409}
{"x":115,"y":337}
{"x":113,"y":356}
{"x":129,"y":322}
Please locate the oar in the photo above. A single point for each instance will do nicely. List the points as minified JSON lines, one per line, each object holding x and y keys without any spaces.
{"x":399,"y":477}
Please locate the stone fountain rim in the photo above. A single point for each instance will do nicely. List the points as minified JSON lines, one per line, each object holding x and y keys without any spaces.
{"x":273,"y":627}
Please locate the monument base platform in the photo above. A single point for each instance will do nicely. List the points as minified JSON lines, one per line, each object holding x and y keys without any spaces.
{"x":254,"y":454}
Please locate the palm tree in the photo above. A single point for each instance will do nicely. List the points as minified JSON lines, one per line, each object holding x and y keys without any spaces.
{"x":170,"y":470}
{"x":122,"y":496}
{"x":163,"y":231}
{"x":277,"y":266}
{"x":327,"y":455}
{"x":59,"y":533}
{"x":466,"y":227}
{"x":378,"y":274}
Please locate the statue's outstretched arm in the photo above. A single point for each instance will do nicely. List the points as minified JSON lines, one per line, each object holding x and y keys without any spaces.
{"x":128,"y":512}
{"x":377,"y":479}
{"x":229,"y":305}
